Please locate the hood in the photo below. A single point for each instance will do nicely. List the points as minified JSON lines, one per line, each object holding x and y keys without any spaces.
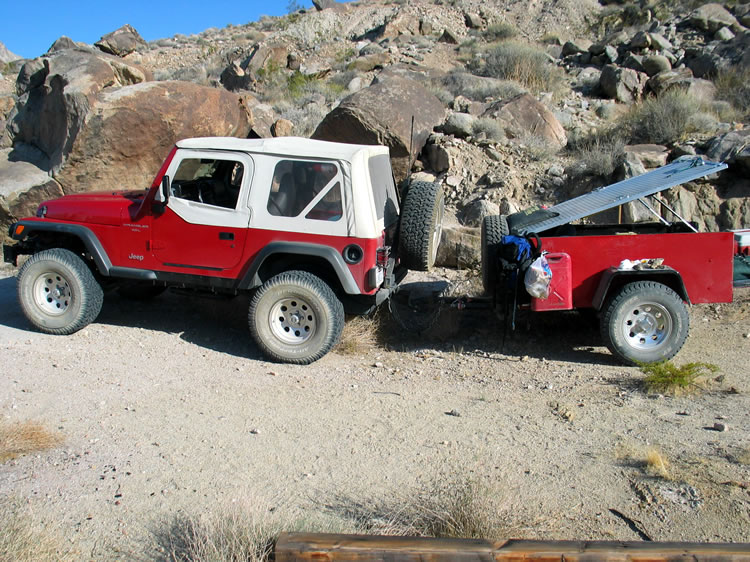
{"x":96,"y":207}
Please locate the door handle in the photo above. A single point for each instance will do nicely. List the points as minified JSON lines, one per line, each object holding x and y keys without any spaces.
{"x":226,"y":235}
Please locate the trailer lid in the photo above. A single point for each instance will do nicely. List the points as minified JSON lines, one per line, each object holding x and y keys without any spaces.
{"x":680,"y":171}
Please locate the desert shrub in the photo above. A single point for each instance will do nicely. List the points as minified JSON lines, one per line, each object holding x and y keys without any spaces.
{"x":23,"y":438}
{"x":537,"y":148}
{"x":662,"y":120}
{"x":733,"y":86}
{"x":667,"y":378}
{"x":525,"y":64}
{"x":598,"y":153}
{"x":478,"y":88}
{"x":499,"y":32}
{"x":306,"y":118}
{"x":657,"y":463}
{"x":489,"y":127}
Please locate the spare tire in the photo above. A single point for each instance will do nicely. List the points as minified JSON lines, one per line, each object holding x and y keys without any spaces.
{"x":421,"y":225}
{"x":494,"y":227}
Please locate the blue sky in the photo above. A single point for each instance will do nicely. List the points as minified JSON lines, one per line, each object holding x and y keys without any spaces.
{"x":29,"y":28}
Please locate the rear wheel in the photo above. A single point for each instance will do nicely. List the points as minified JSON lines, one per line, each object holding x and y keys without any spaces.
{"x":58,"y":292}
{"x":645,"y":322}
{"x":494,"y":227}
{"x":421,"y":225}
{"x":295,"y":317}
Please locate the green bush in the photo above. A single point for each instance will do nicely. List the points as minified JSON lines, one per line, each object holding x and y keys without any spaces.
{"x":489,"y":127}
{"x":598,"y":155}
{"x":667,"y":378}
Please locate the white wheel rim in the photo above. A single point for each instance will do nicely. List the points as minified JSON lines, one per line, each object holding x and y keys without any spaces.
{"x":292,"y":321}
{"x":52,"y":293}
{"x":647,"y":326}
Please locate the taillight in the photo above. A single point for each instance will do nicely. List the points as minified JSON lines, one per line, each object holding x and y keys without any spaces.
{"x":382,"y":255}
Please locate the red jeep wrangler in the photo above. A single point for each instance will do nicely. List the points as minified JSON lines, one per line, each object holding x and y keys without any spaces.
{"x":311,"y":228}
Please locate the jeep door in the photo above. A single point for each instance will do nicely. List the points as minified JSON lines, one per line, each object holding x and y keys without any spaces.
{"x":204,"y":224}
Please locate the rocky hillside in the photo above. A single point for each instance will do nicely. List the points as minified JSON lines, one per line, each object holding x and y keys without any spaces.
{"x":514,"y":102}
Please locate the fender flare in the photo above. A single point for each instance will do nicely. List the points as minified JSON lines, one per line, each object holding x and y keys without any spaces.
{"x":251,"y":279}
{"x":618,"y":277}
{"x":89,"y":239}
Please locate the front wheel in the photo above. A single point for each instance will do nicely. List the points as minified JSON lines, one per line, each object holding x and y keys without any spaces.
{"x":645,"y":322}
{"x":58,"y":292}
{"x":295,"y":317}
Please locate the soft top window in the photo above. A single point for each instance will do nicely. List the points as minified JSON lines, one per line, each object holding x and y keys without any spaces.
{"x":383,"y":188}
{"x":297,"y":183}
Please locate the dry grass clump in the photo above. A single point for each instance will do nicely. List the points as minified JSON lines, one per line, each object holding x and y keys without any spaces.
{"x":480,"y":88}
{"x":733,"y":86}
{"x":466,"y":509}
{"x":243,"y":531}
{"x":23,"y":539}
{"x":499,"y":32}
{"x":662,"y":120}
{"x":657,"y":463}
{"x":598,"y":154}
{"x":25,"y":437}
{"x":665,"y":377}
{"x":361,"y":335}
{"x":525,"y":64}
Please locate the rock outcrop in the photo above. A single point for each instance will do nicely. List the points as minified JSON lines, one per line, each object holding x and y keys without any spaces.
{"x":382,"y":114}
{"x":121,"y":41}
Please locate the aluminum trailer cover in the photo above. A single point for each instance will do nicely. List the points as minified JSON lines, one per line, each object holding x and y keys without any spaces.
{"x":680,"y":171}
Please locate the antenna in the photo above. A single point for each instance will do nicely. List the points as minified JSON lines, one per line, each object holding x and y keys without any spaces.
{"x":411,"y":143}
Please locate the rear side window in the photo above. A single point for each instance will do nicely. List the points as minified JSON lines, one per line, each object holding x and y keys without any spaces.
{"x":383,"y":188}
{"x":297,"y":184}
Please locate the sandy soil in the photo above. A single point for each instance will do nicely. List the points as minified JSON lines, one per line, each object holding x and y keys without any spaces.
{"x":167,"y":408}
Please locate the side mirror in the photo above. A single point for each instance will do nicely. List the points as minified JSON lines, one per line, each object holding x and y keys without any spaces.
{"x":165,"y":189}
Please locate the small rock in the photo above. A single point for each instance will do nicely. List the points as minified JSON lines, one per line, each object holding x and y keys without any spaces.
{"x":454,"y":413}
{"x":721,"y":426}
{"x":378,"y":365}
{"x":255,"y":431}
{"x":724,"y":34}
{"x":556,"y":170}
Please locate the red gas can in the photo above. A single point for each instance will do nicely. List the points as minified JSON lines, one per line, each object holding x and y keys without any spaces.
{"x":561,"y":286}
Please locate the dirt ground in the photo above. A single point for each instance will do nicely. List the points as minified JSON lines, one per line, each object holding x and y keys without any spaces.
{"x":167,"y":408}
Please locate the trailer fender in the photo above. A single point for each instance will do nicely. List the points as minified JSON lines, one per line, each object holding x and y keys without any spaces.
{"x":614,"y":278}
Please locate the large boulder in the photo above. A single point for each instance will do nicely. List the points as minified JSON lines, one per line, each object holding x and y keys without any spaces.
{"x":382,"y":114}
{"x":682,"y":78}
{"x":121,"y":41}
{"x":130,"y":130}
{"x":523,"y":115}
{"x":732,"y":148}
{"x":23,"y":186}
{"x":712,"y":17}
{"x":622,"y":84}
{"x":56,"y":92}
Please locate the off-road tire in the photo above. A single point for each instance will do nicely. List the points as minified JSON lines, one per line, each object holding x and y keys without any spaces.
{"x":295,"y":317}
{"x":645,"y":322}
{"x":494,"y":227}
{"x":58,"y":292}
{"x":421,"y":225}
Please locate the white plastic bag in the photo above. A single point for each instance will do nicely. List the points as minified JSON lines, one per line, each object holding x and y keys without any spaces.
{"x":538,"y":278}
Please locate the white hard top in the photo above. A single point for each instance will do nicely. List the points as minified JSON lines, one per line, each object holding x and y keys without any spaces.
{"x":287,"y":146}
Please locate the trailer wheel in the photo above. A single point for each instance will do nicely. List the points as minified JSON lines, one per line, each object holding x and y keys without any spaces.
{"x":421,"y":225}
{"x":494,"y":227}
{"x":645,"y":322}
